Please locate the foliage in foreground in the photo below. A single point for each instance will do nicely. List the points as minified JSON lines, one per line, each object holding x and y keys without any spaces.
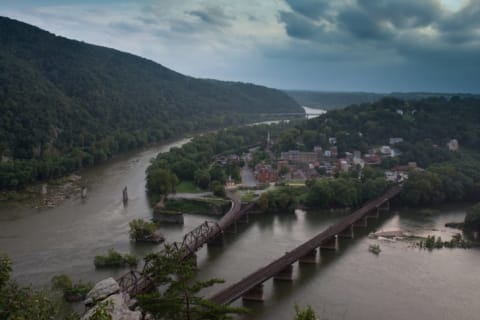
{"x":22,"y":303}
{"x":72,"y":291}
{"x":179,"y":297}
{"x":114,"y":259}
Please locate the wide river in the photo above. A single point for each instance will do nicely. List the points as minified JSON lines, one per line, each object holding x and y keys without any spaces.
{"x":400,"y":283}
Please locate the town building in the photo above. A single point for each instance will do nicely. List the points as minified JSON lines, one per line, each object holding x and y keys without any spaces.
{"x":343,"y":165}
{"x":297,"y":156}
{"x":453,"y":145}
{"x":393,"y":141}
{"x":265,"y":173}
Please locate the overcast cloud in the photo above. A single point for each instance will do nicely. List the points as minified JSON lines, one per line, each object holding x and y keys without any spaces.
{"x":342,"y":45}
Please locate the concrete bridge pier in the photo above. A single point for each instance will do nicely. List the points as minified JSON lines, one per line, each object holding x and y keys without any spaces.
{"x":285,"y":275}
{"x":254,"y":294}
{"x":347,"y":233}
{"x":309,"y":258}
{"x":362,"y":223}
{"x":329,"y":244}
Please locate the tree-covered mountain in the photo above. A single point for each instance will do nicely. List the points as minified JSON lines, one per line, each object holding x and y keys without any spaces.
{"x":334,"y":100}
{"x":433,"y":121}
{"x":65,"y":104}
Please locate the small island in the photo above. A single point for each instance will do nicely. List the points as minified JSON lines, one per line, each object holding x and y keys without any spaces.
{"x":144,"y":231}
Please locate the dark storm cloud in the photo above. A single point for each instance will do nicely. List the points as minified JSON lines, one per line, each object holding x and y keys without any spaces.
{"x":402,"y":14}
{"x":392,"y":23}
{"x":381,"y":19}
{"x":362,"y":25}
{"x":298,"y":26}
{"x":214,"y":16}
{"x":309,"y":8}
{"x":464,"y":26}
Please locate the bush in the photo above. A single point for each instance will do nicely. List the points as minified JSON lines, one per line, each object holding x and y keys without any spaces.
{"x":114,"y":259}
{"x":472,"y":219}
{"x":71,"y":291}
{"x":5,"y":269}
{"x":304,"y":314}
{"x":141,"y":230}
{"x":218,"y":189}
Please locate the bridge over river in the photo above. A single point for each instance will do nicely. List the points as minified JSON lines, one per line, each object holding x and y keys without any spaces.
{"x":209,"y":232}
{"x":250,"y":287}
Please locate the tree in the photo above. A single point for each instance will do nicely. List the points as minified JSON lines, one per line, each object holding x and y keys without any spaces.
{"x":202,"y":178}
{"x":161,"y":181}
{"x":20,"y":303}
{"x":422,"y":188}
{"x":218,"y":189}
{"x":472,"y":219}
{"x":72,"y":292}
{"x":141,"y":229}
{"x":5,"y":269}
{"x":218,"y":174}
{"x":178,"y":299}
{"x":304,"y":314}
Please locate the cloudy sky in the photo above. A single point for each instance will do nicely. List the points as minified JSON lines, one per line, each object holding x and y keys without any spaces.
{"x":341,"y":45}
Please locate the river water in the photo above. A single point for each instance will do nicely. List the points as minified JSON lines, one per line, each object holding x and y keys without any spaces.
{"x":400,"y":283}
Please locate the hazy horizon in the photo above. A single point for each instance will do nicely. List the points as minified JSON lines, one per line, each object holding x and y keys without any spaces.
{"x":342,"y":46}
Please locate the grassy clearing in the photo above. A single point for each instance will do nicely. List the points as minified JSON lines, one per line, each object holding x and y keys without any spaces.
{"x":248,"y":196}
{"x":188,"y":187}
{"x":198,"y":206}
{"x":295,"y":183}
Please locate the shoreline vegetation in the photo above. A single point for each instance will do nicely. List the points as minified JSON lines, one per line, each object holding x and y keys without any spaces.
{"x":114,"y":259}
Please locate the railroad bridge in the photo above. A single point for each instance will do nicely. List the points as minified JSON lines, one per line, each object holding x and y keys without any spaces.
{"x":136,"y":282}
{"x":251,"y":287}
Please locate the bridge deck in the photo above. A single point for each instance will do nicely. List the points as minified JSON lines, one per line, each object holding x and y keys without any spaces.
{"x":236,"y":290}
{"x":210,"y":230}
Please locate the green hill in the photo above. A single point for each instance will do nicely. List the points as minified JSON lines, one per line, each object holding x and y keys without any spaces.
{"x":66,"y":104}
{"x":335,"y":100}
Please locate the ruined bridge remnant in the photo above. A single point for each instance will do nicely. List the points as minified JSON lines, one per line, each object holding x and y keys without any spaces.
{"x":251,"y":287}
{"x":195,"y":239}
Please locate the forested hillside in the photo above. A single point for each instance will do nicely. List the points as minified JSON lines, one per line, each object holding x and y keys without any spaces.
{"x":335,"y":100}
{"x":429,"y":122}
{"x":65,"y":104}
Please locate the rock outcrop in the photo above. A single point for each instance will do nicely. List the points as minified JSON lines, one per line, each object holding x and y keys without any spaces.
{"x":107,"y":295}
{"x":117,"y":306}
{"x":102,"y":290}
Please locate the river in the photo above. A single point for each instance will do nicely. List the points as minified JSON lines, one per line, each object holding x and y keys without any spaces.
{"x":400,"y":283}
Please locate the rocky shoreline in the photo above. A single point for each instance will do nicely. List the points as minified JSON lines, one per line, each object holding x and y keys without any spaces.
{"x":46,"y":195}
